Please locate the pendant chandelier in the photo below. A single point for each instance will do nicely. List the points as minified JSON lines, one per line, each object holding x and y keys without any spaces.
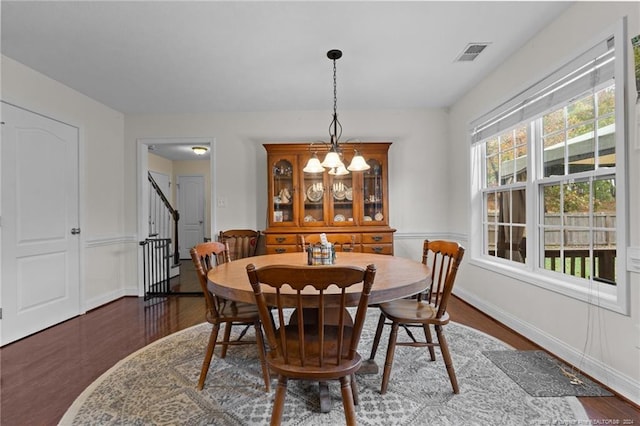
{"x":333,"y":160}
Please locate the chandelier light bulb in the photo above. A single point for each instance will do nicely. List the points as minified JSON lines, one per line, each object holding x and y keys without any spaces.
{"x":358,"y":163}
{"x":313,"y":165}
{"x":332,"y":160}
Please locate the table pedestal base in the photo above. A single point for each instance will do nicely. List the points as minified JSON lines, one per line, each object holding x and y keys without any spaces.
{"x":368,"y":366}
{"x":325,"y":397}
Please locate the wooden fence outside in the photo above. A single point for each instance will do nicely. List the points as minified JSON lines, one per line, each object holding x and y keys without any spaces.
{"x":576,"y":234}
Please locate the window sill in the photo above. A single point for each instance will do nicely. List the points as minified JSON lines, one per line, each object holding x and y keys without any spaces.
{"x":607,"y":300}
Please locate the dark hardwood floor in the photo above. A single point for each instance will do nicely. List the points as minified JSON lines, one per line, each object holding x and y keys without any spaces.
{"x":41,"y":375}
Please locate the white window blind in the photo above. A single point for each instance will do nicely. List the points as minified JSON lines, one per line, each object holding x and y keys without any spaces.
{"x":592,"y":68}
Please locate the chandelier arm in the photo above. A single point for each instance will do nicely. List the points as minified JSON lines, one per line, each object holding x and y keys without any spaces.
{"x":335,"y":135}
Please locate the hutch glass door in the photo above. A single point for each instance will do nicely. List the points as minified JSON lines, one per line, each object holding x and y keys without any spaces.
{"x":373,"y":193}
{"x":283,"y":191}
{"x":314,"y":189}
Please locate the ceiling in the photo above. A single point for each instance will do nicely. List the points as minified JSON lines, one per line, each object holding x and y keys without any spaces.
{"x":180,"y":151}
{"x":162,"y":57}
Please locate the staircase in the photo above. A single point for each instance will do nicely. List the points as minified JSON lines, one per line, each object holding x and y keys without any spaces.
{"x":160,"y":250}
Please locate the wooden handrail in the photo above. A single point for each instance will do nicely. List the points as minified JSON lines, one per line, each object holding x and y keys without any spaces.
{"x":174,"y":214}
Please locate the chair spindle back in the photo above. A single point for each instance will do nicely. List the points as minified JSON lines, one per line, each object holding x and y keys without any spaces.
{"x":445,"y":257}
{"x":206,"y":256}
{"x":242,"y":242}
{"x":314,"y":341}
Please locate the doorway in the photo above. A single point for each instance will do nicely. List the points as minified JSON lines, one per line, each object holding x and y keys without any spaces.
{"x":181,"y":147}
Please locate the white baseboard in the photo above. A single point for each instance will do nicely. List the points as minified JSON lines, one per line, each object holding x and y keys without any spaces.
{"x":615,"y":380}
{"x":96,"y":302}
{"x":175,"y":271}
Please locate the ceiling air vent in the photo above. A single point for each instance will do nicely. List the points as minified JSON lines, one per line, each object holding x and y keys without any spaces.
{"x":471,"y":52}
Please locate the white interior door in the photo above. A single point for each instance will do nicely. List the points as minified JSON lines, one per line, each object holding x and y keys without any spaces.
{"x":40,"y":223}
{"x":191,"y":209}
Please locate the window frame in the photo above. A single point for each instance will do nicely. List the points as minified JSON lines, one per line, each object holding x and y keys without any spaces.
{"x":615,"y":298}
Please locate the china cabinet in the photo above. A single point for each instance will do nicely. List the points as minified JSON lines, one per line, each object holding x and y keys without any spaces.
{"x":352,"y":209}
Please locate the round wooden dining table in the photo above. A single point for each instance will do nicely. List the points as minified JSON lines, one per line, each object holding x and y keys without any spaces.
{"x":396,"y":277}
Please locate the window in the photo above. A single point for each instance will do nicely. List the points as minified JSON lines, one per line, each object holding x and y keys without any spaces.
{"x":505,"y":166}
{"x":577,"y":225}
{"x":544,"y":201}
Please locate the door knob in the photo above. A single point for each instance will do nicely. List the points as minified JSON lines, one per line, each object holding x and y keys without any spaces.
{"x":75,"y":231}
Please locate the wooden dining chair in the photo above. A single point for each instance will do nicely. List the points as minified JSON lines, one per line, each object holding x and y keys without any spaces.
{"x":316,"y":344}
{"x":427,"y":309}
{"x":222,"y":311}
{"x":242,"y":242}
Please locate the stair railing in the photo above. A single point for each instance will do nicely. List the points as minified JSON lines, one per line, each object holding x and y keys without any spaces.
{"x":156,"y":267}
{"x":161,"y":213}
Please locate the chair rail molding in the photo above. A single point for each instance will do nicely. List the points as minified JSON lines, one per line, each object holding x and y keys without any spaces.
{"x":110,"y":240}
{"x":633,"y":259}
{"x":455,"y":236}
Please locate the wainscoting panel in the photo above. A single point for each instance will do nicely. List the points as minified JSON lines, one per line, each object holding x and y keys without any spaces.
{"x":107,"y":269}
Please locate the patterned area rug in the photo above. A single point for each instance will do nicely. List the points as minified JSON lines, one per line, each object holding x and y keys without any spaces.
{"x":539,"y":374}
{"x":157,"y":386}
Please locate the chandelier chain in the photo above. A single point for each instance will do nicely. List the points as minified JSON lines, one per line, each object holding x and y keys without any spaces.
{"x":333,"y":159}
{"x":335,"y":91}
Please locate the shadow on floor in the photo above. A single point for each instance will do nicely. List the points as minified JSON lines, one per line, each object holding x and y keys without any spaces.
{"x":187,"y":281}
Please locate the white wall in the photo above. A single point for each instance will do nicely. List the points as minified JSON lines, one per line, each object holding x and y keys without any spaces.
{"x":163,"y":166}
{"x":105,"y":246}
{"x":109,"y":168}
{"x":561,"y":324}
{"x":415,"y":171}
